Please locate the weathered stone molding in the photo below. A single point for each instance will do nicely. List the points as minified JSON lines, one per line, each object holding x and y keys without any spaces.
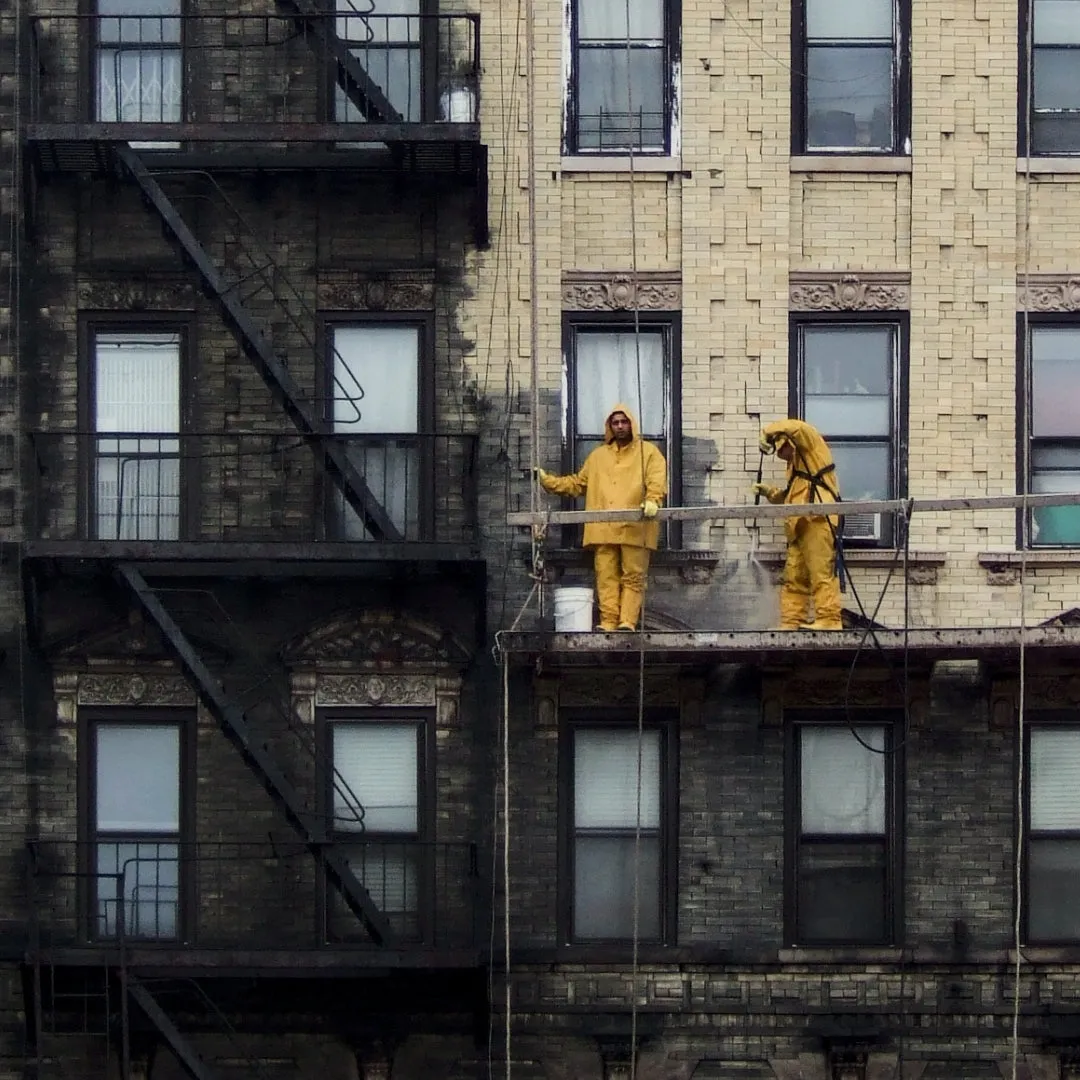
{"x":1049,"y":292}
{"x":375,"y":690}
{"x":127,"y":294}
{"x":591,"y":689}
{"x":383,"y":639}
{"x":119,"y":689}
{"x":814,"y":290}
{"x":406,"y":290}
{"x":586,"y":290}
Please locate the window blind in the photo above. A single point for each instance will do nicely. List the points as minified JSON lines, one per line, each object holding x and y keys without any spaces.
{"x":842,"y":783}
{"x":605,"y":779}
{"x":137,"y":778}
{"x":1055,"y":779}
{"x":379,"y":763}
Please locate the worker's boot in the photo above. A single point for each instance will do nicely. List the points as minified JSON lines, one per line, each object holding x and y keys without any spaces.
{"x":822,"y":624}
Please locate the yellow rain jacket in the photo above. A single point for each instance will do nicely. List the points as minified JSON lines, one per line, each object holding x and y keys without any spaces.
{"x":812,"y":459}
{"x":617,"y":477}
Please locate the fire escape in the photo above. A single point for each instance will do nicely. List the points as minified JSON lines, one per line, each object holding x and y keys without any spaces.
{"x":381,"y":96}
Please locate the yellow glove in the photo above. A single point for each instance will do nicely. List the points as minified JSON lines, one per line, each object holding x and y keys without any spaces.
{"x":541,"y":476}
{"x":765,"y":444}
{"x":650,"y":509}
{"x":769,"y":492}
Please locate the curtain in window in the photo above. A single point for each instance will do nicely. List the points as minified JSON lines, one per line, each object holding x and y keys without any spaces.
{"x":375,"y":405}
{"x":137,"y":480}
{"x":607,"y":372}
{"x":842,"y":782}
{"x":606,"y":779}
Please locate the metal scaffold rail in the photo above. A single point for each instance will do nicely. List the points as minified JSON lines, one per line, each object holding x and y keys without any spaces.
{"x":782,"y":510}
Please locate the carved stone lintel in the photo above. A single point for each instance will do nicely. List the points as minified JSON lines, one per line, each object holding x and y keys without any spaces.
{"x":824,"y":291}
{"x":372,"y":689}
{"x":134,"y":689}
{"x":1049,"y":292}
{"x":1002,"y":575}
{"x":601,"y":291}
{"x":393,"y":291}
{"x":136,"y":295}
{"x":923,"y":575}
{"x":584,"y":690}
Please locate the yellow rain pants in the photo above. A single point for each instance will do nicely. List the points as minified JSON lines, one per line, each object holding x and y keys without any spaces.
{"x":620,"y":583}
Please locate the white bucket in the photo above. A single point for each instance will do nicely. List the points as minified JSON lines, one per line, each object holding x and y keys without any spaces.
{"x":573,"y":609}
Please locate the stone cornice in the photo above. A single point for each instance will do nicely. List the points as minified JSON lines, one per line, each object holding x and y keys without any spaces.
{"x":588,"y":290}
{"x":395,"y":290}
{"x":871,"y":290}
{"x":1049,"y":292}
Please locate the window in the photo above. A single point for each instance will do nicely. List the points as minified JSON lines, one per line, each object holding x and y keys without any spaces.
{"x":1052,"y":903}
{"x":136,"y":796}
{"x":1053,"y":429}
{"x":375,"y":406}
{"x":378,"y":815}
{"x":135,"y":420}
{"x":849,"y":84}
{"x":842,"y":858}
{"x":608,"y":364}
{"x":1054,"y":124}
{"x":622,"y":87}
{"x":848,"y":382}
{"x":618,"y":834}
{"x":384,"y":36}
{"x":139,"y":64}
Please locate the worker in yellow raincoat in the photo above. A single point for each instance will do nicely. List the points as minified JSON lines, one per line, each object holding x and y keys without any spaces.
{"x":810,"y":569}
{"x":625,"y":473}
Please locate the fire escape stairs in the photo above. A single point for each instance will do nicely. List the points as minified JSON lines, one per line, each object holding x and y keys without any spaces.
{"x":305,"y":415}
{"x":351,"y":75}
{"x":185,"y":1053}
{"x":234,"y":723}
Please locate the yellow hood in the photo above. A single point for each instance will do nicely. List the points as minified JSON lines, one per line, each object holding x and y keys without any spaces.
{"x":609,"y":435}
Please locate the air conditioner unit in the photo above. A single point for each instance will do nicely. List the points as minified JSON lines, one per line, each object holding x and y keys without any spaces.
{"x":862,"y":527}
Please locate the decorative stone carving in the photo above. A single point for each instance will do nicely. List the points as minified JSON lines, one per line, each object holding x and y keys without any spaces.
{"x":584,"y":690}
{"x":134,"y":689}
{"x":923,"y":575}
{"x":1002,"y":575}
{"x":133,"y":295}
{"x":380,"y":638}
{"x":1049,"y":292}
{"x":802,"y":692}
{"x":814,"y":291}
{"x":648,"y":291}
{"x":390,"y":292}
{"x":376,"y":690}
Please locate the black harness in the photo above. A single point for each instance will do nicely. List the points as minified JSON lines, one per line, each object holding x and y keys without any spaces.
{"x":818,"y":484}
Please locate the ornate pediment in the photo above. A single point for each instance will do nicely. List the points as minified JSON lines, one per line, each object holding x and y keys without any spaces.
{"x":133,"y":638}
{"x":376,"y":638}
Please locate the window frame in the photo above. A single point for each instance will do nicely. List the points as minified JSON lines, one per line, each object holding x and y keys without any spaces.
{"x":892,"y":720}
{"x":671,"y":48}
{"x":1025,"y":323}
{"x":900,"y":88}
{"x":1046,"y":720}
{"x":669,"y":323}
{"x":328,"y":323}
{"x":185,"y":720}
{"x":1025,"y":83}
{"x":90,"y":325}
{"x":665,"y":721}
{"x":423,"y":719}
{"x":900,"y":322}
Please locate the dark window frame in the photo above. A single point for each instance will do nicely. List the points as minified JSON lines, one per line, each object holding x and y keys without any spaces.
{"x":898,"y":440}
{"x":1025,"y":136}
{"x":901,"y":88}
{"x":894,"y":723}
{"x":186,"y":719}
{"x":1047,"y":720}
{"x":666,"y":721}
{"x":426,"y":396}
{"x":1025,"y":323}
{"x":670,"y":324}
{"x":90,"y":324}
{"x":672,"y":55}
{"x":424,"y":719}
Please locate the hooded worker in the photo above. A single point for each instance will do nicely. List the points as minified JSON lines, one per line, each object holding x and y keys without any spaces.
{"x":625,"y":473}
{"x":810,"y":569}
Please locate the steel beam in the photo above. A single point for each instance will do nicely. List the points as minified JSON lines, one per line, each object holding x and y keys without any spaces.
{"x":253,"y":132}
{"x":234,"y":724}
{"x":186,"y":1054}
{"x":351,"y":484}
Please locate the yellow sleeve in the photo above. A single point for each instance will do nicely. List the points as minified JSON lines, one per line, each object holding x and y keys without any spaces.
{"x":571,"y":485}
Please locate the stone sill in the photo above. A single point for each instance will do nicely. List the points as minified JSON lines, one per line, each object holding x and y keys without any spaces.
{"x":883,"y":557}
{"x":1039,"y":166}
{"x":620,"y":164}
{"x":1013,"y":558}
{"x":881,"y":954}
{"x":850,"y":163}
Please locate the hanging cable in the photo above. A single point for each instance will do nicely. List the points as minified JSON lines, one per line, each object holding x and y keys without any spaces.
{"x":508,"y":1027}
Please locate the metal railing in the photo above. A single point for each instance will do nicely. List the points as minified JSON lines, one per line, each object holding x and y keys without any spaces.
{"x":247,"y":895}
{"x":282,"y":69}
{"x":246,"y":486}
